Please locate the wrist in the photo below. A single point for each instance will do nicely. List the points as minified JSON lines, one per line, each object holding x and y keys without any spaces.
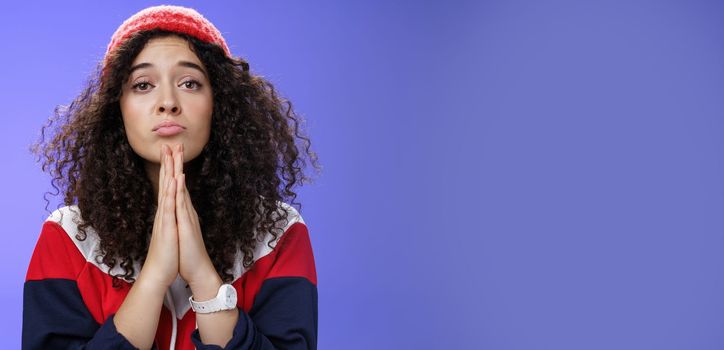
{"x":207,"y":288}
{"x":149,"y":286}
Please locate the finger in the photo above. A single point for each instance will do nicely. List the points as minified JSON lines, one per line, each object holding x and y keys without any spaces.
{"x":161,"y":209}
{"x":162,"y":185}
{"x":169,"y":203}
{"x":169,"y":162}
{"x":187,"y":203}
{"x":178,"y":160}
{"x":179,"y":191}
{"x":181,"y":212}
{"x":161,"y":176}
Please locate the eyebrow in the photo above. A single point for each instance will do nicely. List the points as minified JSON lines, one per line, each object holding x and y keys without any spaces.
{"x":179,"y":63}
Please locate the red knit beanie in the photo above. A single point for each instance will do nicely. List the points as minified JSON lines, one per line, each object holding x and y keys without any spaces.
{"x":167,"y":17}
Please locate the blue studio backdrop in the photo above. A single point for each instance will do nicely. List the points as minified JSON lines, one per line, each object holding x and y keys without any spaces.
{"x":496,"y":174}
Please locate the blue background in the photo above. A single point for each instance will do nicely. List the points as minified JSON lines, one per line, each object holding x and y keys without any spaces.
{"x":497,"y":174}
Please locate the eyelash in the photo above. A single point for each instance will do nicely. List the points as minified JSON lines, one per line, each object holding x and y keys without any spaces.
{"x":136,"y":85}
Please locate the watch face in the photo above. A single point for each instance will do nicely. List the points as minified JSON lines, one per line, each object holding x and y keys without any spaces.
{"x":230,"y":296}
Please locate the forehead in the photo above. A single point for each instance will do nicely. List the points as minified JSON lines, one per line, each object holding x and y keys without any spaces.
{"x":166,"y":48}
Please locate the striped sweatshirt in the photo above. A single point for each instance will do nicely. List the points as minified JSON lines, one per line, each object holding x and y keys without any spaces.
{"x":69,"y":301}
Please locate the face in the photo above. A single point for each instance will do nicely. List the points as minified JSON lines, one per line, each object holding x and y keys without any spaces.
{"x":167,"y":100}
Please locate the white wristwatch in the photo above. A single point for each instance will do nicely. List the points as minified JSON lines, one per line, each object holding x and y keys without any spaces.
{"x":225,"y":300}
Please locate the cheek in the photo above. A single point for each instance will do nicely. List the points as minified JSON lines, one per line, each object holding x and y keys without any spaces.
{"x":131,"y":133}
{"x":133,"y":136}
{"x":204,"y":110}
{"x":202,"y":132}
{"x":134,"y":129}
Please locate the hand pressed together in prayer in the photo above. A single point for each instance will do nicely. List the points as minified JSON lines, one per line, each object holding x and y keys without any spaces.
{"x":177,"y":228}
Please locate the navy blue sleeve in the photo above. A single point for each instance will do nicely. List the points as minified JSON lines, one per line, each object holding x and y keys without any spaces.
{"x":55,"y":317}
{"x":284,"y":316}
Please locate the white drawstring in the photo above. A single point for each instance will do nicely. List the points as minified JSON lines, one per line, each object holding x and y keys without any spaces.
{"x":172,"y":307}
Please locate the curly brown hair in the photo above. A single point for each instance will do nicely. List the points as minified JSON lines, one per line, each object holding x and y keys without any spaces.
{"x":250,"y":163}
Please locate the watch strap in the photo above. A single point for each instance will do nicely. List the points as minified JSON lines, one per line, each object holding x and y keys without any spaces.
{"x":225,"y":300}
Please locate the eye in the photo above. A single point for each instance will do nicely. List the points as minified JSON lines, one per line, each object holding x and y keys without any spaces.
{"x":141,"y":86}
{"x":191,"y":84}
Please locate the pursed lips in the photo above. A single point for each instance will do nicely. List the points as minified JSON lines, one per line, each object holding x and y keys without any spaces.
{"x":167,"y":123}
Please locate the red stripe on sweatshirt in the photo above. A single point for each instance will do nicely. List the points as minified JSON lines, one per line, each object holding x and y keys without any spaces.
{"x":292,"y":257}
{"x":55,"y":255}
{"x":99,"y":296}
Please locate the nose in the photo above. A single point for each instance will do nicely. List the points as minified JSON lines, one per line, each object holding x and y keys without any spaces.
{"x":168,"y":107}
{"x":168,"y":103}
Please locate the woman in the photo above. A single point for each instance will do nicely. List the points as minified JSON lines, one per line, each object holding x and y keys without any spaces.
{"x":179,"y":160}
